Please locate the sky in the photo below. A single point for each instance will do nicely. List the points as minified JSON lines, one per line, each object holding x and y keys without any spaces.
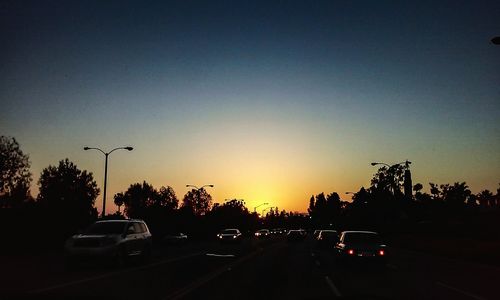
{"x":270,"y":101}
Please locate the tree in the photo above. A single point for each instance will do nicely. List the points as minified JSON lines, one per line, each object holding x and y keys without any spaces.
{"x":199,"y":201}
{"x":137,"y":199}
{"x":333,"y":207}
{"x":166,"y":198}
{"x":119,"y":200}
{"x":389,"y":179}
{"x":455,"y":195}
{"x":68,"y":193}
{"x":15,"y":177}
{"x":486,"y":198}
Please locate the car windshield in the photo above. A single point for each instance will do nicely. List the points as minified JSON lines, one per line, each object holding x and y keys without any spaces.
{"x":106,"y":228}
{"x":362,"y":238}
{"x":328,"y":233}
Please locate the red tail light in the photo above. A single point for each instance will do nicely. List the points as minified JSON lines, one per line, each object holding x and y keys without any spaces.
{"x":350,"y":251}
{"x":381,"y":252}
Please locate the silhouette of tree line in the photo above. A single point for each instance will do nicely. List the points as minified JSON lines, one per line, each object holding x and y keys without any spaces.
{"x":66,"y":204}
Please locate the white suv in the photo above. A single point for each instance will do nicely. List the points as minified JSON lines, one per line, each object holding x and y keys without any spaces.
{"x":110,"y":239}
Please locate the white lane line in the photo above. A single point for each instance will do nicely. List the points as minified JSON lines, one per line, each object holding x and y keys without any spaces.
{"x":460,"y":291}
{"x":220,"y":255}
{"x":332,"y":286}
{"x":88,"y":279}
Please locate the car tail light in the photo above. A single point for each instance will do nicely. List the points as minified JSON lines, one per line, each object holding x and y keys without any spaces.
{"x":381,"y":252}
{"x":350,"y":251}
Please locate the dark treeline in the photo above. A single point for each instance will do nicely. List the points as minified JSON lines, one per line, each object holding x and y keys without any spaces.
{"x":66,"y":204}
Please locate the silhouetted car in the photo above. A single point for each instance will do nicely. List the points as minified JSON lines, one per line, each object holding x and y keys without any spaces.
{"x":263,"y":233}
{"x":229,"y":235}
{"x":110,"y":239}
{"x":361,"y":244}
{"x":295,"y":235}
{"x":175,"y":239}
{"x":328,"y":238}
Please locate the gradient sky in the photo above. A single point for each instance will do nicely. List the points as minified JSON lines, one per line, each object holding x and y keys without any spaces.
{"x":269,"y":101}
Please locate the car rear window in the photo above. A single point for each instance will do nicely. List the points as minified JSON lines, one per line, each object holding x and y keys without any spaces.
{"x":362,"y":238}
{"x":106,"y":228}
{"x":230,"y":231}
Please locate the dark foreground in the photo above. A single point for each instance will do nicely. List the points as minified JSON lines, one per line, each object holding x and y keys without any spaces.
{"x":254,"y":269}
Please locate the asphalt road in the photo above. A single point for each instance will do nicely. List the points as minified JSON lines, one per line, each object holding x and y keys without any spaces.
{"x":254,"y":269}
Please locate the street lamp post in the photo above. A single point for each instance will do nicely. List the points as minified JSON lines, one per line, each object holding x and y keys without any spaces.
{"x":106,"y":154}
{"x":255,"y":208}
{"x":264,"y":210}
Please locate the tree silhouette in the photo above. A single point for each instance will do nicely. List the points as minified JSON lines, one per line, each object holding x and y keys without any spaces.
{"x":486,"y":198}
{"x":389,"y":179}
{"x":15,"y":176}
{"x":166,"y":197}
{"x":68,"y":193}
{"x":199,"y":201}
{"x":136,"y":199}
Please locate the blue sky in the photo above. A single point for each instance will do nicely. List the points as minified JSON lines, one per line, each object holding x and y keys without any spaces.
{"x":269,"y":101}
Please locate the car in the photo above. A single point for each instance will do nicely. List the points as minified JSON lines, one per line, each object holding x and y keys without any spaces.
{"x":361,"y":245}
{"x":230,"y":235}
{"x":327,"y":238}
{"x":295,"y":235}
{"x":263,"y":233}
{"x":114,"y":240}
{"x":176,"y":238}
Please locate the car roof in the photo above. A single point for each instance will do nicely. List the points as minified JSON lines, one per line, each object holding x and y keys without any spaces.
{"x":122,"y":221}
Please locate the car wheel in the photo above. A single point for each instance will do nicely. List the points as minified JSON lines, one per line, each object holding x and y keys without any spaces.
{"x":120,"y":257}
{"x":146,"y":253}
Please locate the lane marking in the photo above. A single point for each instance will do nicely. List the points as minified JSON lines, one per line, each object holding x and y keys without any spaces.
{"x":332,"y":286}
{"x":110,"y":274}
{"x":220,"y":255}
{"x":460,"y":291}
{"x":182,"y":292}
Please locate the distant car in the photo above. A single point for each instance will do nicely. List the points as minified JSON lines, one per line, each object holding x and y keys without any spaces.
{"x":229,"y":235}
{"x":295,"y":235}
{"x":263,"y":233}
{"x":328,"y":238}
{"x":110,"y":239}
{"x":175,"y":239}
{"x":361,"y":244}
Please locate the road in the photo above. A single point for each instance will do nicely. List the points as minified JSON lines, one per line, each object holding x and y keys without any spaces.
{"x":254,"y":269}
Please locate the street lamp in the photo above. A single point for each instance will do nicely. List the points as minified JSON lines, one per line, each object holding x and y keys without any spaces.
{"x":264,"y":210}
{"x":255,"y":208}
{"x":106,"y":154}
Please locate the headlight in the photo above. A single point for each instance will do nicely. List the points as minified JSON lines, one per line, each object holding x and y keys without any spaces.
{"x":235,"y":236}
